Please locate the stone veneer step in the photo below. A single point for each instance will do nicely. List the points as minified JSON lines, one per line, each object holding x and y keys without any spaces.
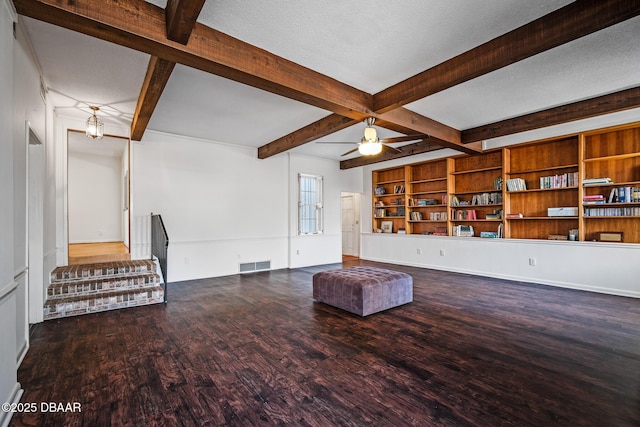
{"x":94,"y":285}
{"x":85,"y":304}
{"x":81,"y":271}
{"x":90,"y":288}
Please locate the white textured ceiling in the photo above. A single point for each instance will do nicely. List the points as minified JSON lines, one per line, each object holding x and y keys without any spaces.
{"x":367,"y":44}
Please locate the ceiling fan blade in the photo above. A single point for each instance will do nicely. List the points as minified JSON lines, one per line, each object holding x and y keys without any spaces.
{"x":390,"y":148}
{"x":404,"y":138}
{"x":335,"y":142}
{"x":350,"y":151}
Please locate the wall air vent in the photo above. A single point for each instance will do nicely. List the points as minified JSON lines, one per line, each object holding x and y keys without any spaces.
{"x":250,"y":267}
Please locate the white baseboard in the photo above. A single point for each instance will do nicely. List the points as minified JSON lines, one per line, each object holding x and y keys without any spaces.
{"x":16,"y":394}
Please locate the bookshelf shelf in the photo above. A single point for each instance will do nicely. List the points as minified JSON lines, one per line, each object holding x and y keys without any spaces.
{"x":463,"y":193}
{"x":494,"y":168}
{"x":543,"y":218}
{"x":613,"y":216}
{"x":476,"y":206}
{"x":421,"y":181}
{"x":614,"y":184}
{"x":614,"y":157}
{"x":534,"y":190}
{"x":476,"y":220}
{"x":547,"y":169}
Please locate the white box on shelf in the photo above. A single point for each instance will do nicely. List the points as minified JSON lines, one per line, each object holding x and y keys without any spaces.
{"x":567,"y":211}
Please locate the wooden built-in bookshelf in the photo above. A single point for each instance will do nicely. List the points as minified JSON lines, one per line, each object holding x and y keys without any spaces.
{"x":517,"y":190}
{"x":475,"y":192}
{"x":556,"y":163}
{"x":616,"y":155}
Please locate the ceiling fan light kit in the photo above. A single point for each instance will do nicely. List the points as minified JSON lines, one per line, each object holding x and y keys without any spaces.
{"x":371,"y":145}
{"x":369,"y":148}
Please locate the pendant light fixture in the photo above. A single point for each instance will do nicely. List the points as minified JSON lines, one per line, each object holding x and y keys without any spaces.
{"x":95,"y":127}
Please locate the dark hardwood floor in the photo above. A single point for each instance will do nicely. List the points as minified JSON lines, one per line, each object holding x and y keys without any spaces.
{"x":256,"y":350}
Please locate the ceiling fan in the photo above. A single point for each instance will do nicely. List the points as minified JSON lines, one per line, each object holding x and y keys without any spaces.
{"x":370,"y":144}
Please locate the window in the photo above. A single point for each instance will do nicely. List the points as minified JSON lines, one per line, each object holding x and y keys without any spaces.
{"x":310,"y":204}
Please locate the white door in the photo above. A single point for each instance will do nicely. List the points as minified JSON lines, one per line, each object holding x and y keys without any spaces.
{"x":350,"y":224}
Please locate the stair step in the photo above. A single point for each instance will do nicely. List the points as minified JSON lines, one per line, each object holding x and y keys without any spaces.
{"x":103,"y":269}
{"x":85,"y":304}
{"x":100,"y":284}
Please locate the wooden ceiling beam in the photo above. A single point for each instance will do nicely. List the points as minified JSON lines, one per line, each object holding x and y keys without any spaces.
{"x":605,"y":104}
{"x":568,"y":23}
{"x":181,"y":16}
{"x":141,"y":26}
{"x":158,"y":73}
{"x":323,"y":127}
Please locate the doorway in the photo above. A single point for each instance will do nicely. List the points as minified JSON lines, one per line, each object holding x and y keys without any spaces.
{"x":350,"y":208}
{"x":97,"y":198}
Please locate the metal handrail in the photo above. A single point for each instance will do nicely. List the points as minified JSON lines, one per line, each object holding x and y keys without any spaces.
{"x":159,"y":247}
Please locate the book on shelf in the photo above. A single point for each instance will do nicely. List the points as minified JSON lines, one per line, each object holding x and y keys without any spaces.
{"x":462,"y":230}
{"x":619,"y":195}
{"x":596,"y":181}
{"x":559,"y":181}
{"x":487,"y":199}
{"x":629,"y":211}
{"x":440,"y":231}
{"x":497,"y":183}
{"x":513,"y":215}
{"x":489,"y":234}
{"x":466,"y":215}
{"x":437,"y":216}
{"x":596,"y":199}
{"x":398,"y":189}
{"x":516,"y":184}
{"x":415,"y":216}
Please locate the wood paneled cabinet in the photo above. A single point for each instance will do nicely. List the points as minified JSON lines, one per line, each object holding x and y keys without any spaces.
{"x":584,"y":187}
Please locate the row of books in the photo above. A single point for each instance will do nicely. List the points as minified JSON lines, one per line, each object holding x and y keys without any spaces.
{"x":559,"y":181}
{"x":465,"y":214}
{"x":398,"y":189}
{"x":630,"y":211}
{"x":624,"y":195}
{"x":487,"y":199}
{"x":428,"y":202}
{"x":617,"y":195}
{"x":516,"y":184}
{"x":438,"y":231}
{"x":433,"y":216}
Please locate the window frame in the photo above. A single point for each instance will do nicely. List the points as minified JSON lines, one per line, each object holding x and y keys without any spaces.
{"x":317,"y":206}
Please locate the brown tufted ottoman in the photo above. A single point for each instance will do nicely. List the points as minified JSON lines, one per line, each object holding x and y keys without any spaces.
{"x":363,"y":290}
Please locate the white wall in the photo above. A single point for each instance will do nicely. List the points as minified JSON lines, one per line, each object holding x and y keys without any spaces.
{"x":599,"y":267}
{"x":10,"y":390}
{"x":325,"y":248}
{"x":95,"y":198}
{"x":223,"y":206}
{"x":220,"y":204}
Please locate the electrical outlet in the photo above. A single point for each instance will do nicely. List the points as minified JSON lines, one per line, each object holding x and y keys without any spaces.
{"x":186,"y":260}
{"x":441,"y":252}
{"x":419,"y":251}
{"x":532,"y":262}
